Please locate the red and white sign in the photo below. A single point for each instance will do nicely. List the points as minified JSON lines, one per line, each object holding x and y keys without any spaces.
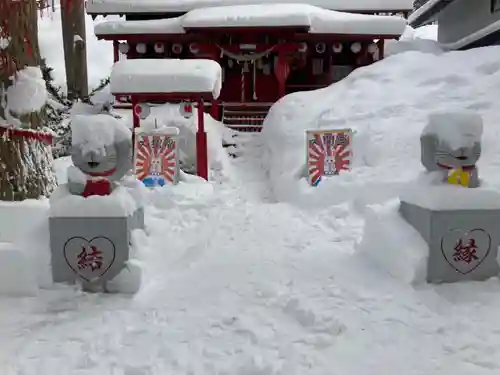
{"x":186,"y":109}
{"x":328,"y":153}
{"x":156,"y":156}
{"x":142,"y":110}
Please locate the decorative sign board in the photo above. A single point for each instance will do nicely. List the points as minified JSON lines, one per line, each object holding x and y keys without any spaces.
{"x":142,"y":110}
{"x":186,"y":109}
{"x":156,"y":156}
{"x":329,"y":152}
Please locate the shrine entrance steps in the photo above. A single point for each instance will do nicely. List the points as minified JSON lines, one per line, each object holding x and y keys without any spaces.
{"x":245,"y":117}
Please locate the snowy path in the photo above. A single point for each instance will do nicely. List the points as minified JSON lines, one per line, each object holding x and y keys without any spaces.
{"x":238,"y":285}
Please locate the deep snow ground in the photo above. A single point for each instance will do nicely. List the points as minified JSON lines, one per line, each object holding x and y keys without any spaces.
{"x":237,"y":285}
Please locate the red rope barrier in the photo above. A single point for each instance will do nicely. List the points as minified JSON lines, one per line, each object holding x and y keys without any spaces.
{"x":37,"y":135}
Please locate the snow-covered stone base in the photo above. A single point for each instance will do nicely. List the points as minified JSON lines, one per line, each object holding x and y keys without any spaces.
{"x":393,"y":244}
{"x":16,"y":278}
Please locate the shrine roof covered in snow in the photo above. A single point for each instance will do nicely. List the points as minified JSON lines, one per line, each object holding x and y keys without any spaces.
{"x":182,"y":6}
{"x":316,"y":20}
{"x":158,"y":76}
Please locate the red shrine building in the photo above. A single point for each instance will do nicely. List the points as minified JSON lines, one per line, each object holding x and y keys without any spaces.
{"x":266,"y":48}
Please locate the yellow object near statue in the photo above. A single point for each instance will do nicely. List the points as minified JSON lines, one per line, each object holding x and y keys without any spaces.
{"x":459,"y":177}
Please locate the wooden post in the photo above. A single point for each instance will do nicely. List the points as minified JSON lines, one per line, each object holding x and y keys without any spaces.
{"x":380,"y":44}
{"x":116,"y":51}
{"x":201,"y":144}
{"x":214,"y":111}
{"x":75,"y":51}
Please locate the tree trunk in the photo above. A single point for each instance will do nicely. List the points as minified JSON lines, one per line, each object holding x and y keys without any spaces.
{"x":26,"y":161}
{"x":75,"y":51}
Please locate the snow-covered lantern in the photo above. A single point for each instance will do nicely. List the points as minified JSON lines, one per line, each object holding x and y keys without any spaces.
{"x":123,"y":48}
{"x":303,"y":47}
{"x":159,"y":47}
{"x":193,"y":48}
{"x":320,"y":48}
{"x":337,"y":47}
{"x":177,"y":48}
{"x":141,"y":48}
{"x":356,"y":47}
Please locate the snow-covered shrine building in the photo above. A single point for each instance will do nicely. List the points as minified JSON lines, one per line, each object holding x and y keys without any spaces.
{"x":462,"y":24}
{"x":266,"y":50}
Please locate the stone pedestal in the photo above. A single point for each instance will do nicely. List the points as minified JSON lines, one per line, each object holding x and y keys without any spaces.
{"x":90,"y":237}
{"x":463,"y":243}
{"x":89,"y":248}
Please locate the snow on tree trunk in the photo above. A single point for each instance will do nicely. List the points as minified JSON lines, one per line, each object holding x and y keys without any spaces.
{"x":25,"y":157}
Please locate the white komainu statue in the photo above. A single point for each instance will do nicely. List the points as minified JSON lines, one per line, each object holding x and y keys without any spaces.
{"x":104,"y":163}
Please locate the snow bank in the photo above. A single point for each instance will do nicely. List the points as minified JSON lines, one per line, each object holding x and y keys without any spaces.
{"x":94,"y":132}
{"x":389,"y":103}
{"x":16,"y":277}
{"x":393,"y":244}
{"x":24,"y":247}
{"x":166,"y":76}
{"x":423,"y":39}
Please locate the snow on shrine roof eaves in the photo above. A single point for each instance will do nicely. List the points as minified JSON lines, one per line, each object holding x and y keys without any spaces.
{"x":317,"y":20}
{"x":166,"y":76}
{"x":180,"y":6}
{"x":428,"y":12}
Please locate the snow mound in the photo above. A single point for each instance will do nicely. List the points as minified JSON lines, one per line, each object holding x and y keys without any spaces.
{"x":94,"y":132}
{"x":24,"y":247}
{"x":166,"y":76}
{"x":458,"y":129}
{"x":393,"y":244}
{"x":118,"y":204}
{"x":388,"y":103}
{"x":423,"y":39}
{"x":128,"y":281}
{"x":14,"y":278}
{"x":27,"y":93}
{"x":428,"y":191}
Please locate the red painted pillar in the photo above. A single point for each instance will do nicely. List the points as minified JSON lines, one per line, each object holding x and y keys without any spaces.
{"x":201,"y":144}
{"x":281,"y":71}
{"x":116,"y":52}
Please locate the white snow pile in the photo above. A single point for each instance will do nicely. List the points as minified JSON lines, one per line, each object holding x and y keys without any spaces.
{"x":423,"y":39}
{"x":393,"y":244}
{"x":94,"y":132}
{"x":317,"y":20}
{"x":166,"y":76}
{"x":388,"y":103}
{"x":27,"y":93}
{"x":24,"y":251}
{"x":120,"y":203}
